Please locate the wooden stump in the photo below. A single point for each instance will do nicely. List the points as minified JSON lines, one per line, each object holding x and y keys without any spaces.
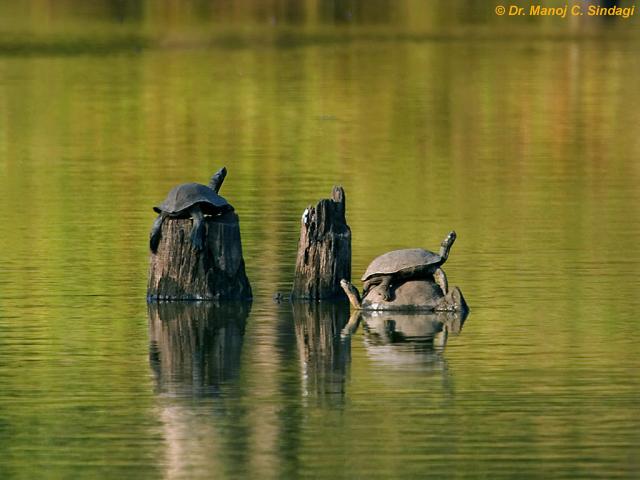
{"x":324,"y":250}
{"x":178,"y":272}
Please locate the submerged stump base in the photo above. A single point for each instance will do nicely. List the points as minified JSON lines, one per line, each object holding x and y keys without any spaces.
{"x":177,"y":271}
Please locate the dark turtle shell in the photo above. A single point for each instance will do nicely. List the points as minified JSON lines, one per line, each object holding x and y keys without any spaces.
{"x":183,"y":196}
{"x":403,"y":261}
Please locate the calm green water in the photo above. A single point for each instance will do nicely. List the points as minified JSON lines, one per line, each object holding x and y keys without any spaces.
{"x":526,"y":145}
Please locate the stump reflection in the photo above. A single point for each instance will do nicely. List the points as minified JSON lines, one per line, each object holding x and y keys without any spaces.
{"x":324,"y":355}
{"x":194,"y":348}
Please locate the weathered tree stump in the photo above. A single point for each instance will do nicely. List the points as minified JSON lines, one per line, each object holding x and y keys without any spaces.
{"x":324,"y":250}
{"x":177,"y":271}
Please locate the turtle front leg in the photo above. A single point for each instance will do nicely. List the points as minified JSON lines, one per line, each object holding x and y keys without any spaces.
{"x":368,"y":285}
{"x":198,"y":229}
{"x":441,"y":279}
{"x":156,"y":233}
{"x":385,"y":287}
{"x":383,"y":281}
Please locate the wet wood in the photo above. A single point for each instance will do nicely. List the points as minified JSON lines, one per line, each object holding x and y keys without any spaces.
{"x":324,"y":250}
{"x":178,"y":272}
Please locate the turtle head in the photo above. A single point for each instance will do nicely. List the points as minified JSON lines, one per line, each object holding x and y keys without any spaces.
{"x":352,"y":294}
{"x":217,"y":179}
{"x":445,"y":247}
{"x":451,"y":237}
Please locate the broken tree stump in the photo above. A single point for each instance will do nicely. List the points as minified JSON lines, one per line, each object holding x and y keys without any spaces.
{"x":177,"y":271}
{"x":324,"y":250}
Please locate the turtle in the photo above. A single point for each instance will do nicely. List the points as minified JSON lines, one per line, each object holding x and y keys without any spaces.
{"x":412,"y":295}
{"x":191,"y":200}
{"x":411,"y":263}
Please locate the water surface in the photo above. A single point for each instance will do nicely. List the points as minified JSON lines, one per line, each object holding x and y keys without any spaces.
{"x":527,"y":147}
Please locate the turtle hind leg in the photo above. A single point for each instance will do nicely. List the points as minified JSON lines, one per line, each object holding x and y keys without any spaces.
{"x":156,"y":233}
{"x":198,"y":230}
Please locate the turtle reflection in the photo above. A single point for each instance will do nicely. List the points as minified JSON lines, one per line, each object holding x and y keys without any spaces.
{"x":401,"y":339}
{"x":324,"y":354}
{"x":195,"y":347}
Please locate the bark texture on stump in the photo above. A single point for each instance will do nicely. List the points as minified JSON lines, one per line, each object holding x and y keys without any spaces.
{"x":324,"y":250}
{"x":178,"y":272}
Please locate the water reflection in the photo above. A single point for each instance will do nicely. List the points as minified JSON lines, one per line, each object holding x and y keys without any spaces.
{"x":195,"y":347}
{"x":528,"y":125}
{"x":324,"y":354}
{"x":402,"y":339}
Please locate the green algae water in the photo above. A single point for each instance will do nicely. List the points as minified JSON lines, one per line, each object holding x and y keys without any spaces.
{"x":525,"y":141}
